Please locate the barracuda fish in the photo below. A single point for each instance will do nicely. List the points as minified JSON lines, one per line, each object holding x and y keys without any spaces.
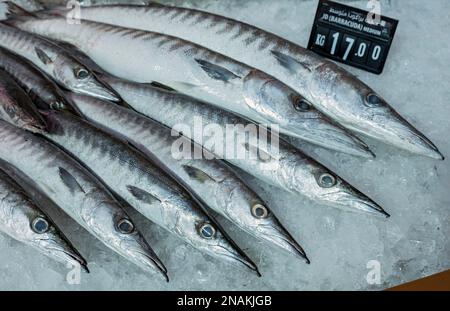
{"x":71,"y":187}
{"x":41,"y":89}
{"x":212,"y":181}
{"x":16,"y":107}
{"x":330,"y":88}
{"x":189,"y":68}
{"x":24,"y":221}
{"x":55,"y":61}
{"x":143,"y":185}
{"x":282,"y":166}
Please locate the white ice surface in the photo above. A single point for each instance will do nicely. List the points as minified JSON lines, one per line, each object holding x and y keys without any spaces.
{"x":412,"y":244}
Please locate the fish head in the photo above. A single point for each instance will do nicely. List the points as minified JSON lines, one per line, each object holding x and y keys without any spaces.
{"x":20,"y":114}
{"x":109,"y":222}
{"x":327,"y":187}
{"x":44,"y":235}
{"x":78,"y":78}
{"x":247,"y":209}
{"x":205,"y":234}
{"x":363,"y":110}
{"x":296,"y":116}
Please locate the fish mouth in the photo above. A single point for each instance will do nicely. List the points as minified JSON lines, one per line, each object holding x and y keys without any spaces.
{"x":149,"y":261}
{"x":100,"y":90}
{"x":283,"y":239}
{"x":67,"y":256}
{"x":138,"y":251}
{"x":236,"y":258}
{"x":325,"y":133}
{"x":353,"y":200}
{"x":407,"y":137}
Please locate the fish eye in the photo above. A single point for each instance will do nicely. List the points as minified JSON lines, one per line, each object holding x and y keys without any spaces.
{"x":373,"y":100}
{"x":56,"y":105}
{"x":260,"y":211}
{"x":40,"y":225}
{"x":125,"y":226}
{"x":326,"y":180}
{"x":207,"y":231}
{"x":301,"y":104}
{"x":81,"y":73}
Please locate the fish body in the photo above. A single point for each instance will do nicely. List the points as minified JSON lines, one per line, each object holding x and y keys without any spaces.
{"x":54,"y":61}
{"x":24,"y":221}
{"x":189,"y":68}
{"x":272,"y":160}
{"x":142,"y":184}
{"x":16,"y":106}
{"x":330,"y":88}
{"x":41,"y":89}
{"x":77,"y":192}
{"x":212,"y":181}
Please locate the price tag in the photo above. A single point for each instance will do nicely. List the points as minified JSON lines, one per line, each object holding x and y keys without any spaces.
{"x":352,"y":36}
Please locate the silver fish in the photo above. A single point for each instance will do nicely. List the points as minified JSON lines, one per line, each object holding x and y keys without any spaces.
{"x":16,"y":107}
{"x":282,"y":166}
{"x":330,"y":88}
{"x":55,"y":61}
{"x":143,"y":185}
{"x":24,"y":221}
{"x":212,"y":181}
{"x":38,"y":85}
{"x":71,"y":187}
{"x":189,"y":68}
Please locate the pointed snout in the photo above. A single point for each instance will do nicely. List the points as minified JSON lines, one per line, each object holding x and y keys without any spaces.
{"x":282,"y":238}
{"x":322,"y":132}
{"x":101,"y":90}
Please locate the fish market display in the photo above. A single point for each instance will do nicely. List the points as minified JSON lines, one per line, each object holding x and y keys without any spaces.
{"x":160,"y":109}
{"x":41,"y":89}
{"x":21,"y":219}
{"x":140,"y":183}
{"x":77,"y":192}
{"x":54,"y":61}
{"x":328,"y":87}
{"x":16,"y":107}
{"x":199,"y":72}
{"x":282,"y":165}
{"x":211,"y":180}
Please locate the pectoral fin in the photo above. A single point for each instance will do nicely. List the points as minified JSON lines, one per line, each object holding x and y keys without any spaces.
{"x":70,"y":181}
{"x":142,"y":195}
{"x":197,"y":174}
{"x":43,"y":57}
{"x":258,"y":153}
{"x":216,"y":72}
{"x":290,"y":63}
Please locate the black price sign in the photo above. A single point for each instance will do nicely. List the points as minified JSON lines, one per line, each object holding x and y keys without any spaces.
{"x":352,"y":36}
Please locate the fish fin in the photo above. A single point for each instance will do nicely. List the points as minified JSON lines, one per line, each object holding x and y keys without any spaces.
{"x":197,"y":174}
{"x":183,"y":87}
{"x":262,"y":155}
{"x":70,"y":181}
{"x":43,"y":56}
{"x":216,"y":72}
{"x":142,"y":195}
{"x":14,"y":10}
{"x":289,"y":62}
{"x":161,"y":86}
